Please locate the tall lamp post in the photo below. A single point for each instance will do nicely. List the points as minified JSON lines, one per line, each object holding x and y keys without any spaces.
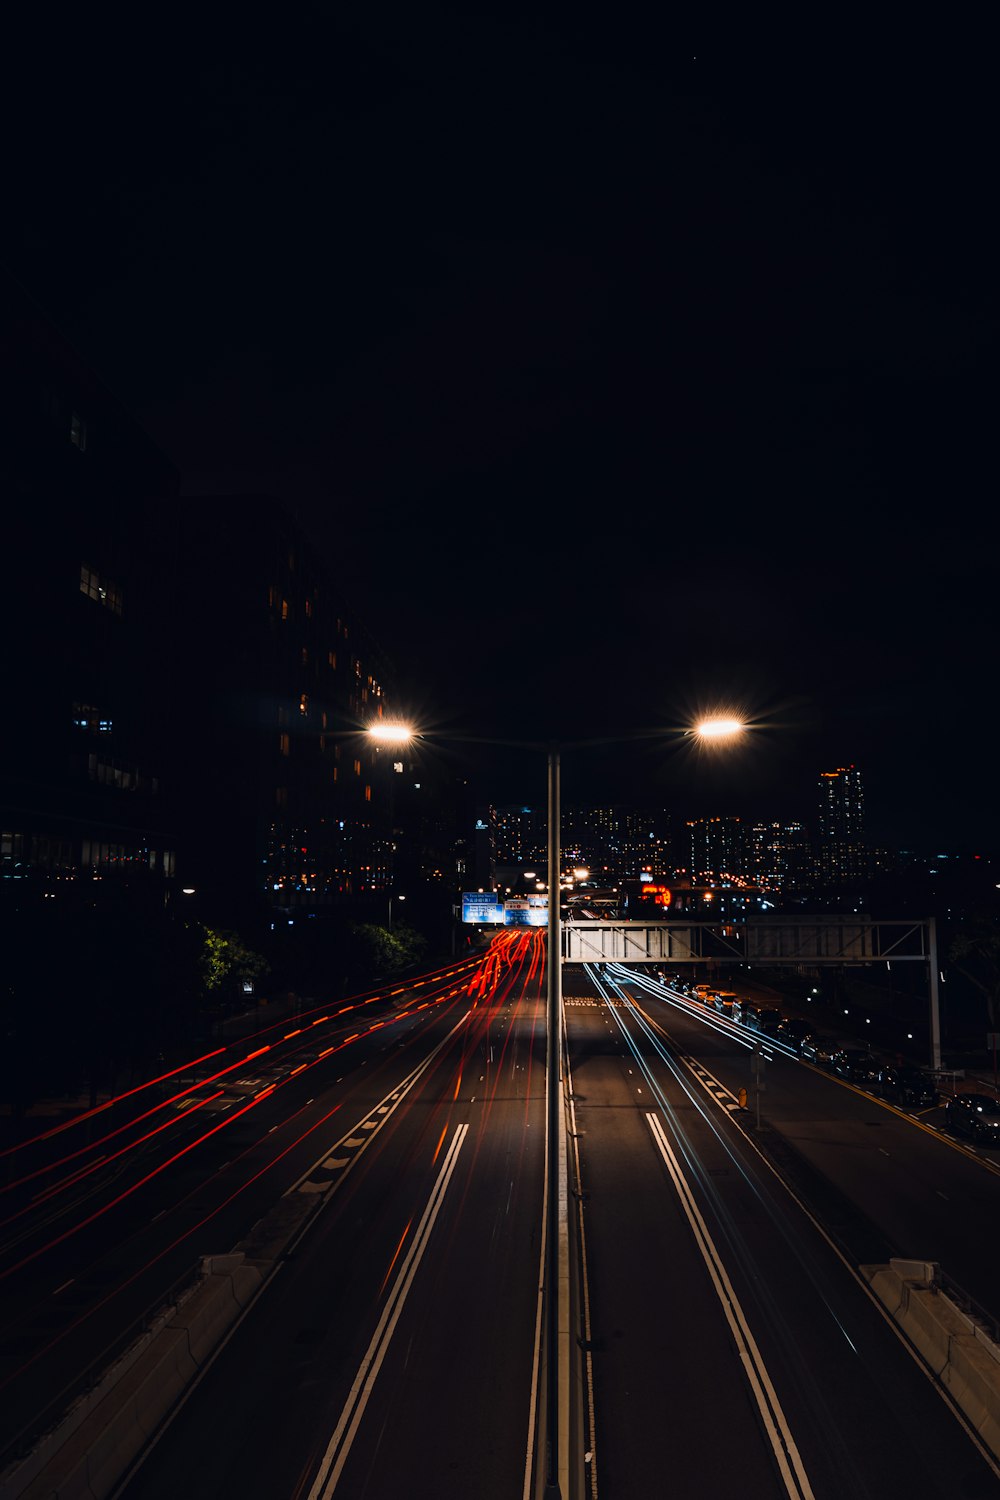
{"x":557,"y":1382}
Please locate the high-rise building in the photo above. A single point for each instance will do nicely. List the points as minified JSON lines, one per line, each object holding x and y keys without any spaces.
{"x":841,"y":853}
{"x":716,"y":850}
{"x":778,"y":856}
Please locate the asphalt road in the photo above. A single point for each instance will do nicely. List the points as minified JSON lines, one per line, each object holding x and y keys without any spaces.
{"x":732,"y":1344}
{"x":735,"y":1347}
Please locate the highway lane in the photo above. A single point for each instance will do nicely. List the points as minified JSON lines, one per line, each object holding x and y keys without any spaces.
{"x":395,"y":1352}
{"x":929,"y":1197}
{"x":733,"y":1347}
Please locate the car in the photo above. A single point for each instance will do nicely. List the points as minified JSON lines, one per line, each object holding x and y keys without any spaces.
{"x":856,"y":1065}
{"x":976,"y":1116}
{"x":704,"y":993}
{"x":768,"y":1019}
{"x":817,"y":1049}
{"x":724,"y":1002}
{"x":908,"y":1085}
{"x":794,"y":1031}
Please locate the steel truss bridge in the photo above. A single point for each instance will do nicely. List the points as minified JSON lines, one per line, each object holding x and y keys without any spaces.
{"x":768,"y":941}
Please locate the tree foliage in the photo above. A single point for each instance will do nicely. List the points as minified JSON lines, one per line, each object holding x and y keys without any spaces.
{"x":225,"y":956}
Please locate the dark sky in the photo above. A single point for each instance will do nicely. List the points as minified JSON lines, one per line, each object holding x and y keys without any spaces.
{"x":618,"y":371}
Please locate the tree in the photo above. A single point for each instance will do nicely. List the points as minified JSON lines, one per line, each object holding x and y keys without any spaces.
{"x":225,"y":957}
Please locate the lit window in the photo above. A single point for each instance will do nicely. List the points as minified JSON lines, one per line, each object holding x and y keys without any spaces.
{"x":304,"y":703}
{"x":368,"y":794}
{"x":284,"y":609}
{"x":100,"y":589}
{"x":357,"y":768}
{"x":284,"y":744}
{"x":332,"y":659}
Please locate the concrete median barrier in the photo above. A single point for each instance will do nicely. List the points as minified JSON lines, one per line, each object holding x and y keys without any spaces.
{"x":959,"y":1352}
{"x":94,"y":1447}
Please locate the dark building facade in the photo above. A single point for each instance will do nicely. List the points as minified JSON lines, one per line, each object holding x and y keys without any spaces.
{"x":84,"y":791}
{"x":185,"y":692}
{"x":286,"y":801}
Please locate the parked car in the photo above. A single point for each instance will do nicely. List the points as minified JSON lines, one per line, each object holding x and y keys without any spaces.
{"x":794,"y":1031}
{"x":818,"y":1050}
{"x":724,"y":1002}
{"x":856,"y":1065}
{"x":976,"y":1116}
{"x":908,"y":1085}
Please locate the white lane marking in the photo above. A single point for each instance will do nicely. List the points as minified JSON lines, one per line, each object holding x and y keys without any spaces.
{"x":361,"y":1142}
{"x":775,"y":1423}
{"x":339,"y":1446}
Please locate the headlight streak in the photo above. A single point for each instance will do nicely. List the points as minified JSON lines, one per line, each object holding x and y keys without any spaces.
{"x":731,"y":1029}
{"x":731,"y":1233}
{"x":696,"y":1097}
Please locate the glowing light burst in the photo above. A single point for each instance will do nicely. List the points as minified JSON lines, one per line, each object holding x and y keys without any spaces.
{"x":720,"y":728}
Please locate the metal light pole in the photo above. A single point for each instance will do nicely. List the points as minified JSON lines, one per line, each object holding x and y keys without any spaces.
{"x":556,"y":1453}
{"x":553,"y":1053}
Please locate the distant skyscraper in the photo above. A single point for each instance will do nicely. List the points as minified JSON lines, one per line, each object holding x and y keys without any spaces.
{"x":717,"y":849}
{"x":840,"y":847}
{"x":778,"y":856}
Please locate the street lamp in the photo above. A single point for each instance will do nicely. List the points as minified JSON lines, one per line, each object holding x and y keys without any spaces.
{"x":713,"y":728}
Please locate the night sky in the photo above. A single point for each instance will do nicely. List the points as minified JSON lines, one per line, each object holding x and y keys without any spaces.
{"x":617,"y":372}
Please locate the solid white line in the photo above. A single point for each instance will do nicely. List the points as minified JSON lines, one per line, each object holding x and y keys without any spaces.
{"x":339,"y":1445}
{"x":782,"y":1443}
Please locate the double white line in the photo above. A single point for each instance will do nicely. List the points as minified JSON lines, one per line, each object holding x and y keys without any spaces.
{"x":775,"y":1424}
{"x":339,"y":1445}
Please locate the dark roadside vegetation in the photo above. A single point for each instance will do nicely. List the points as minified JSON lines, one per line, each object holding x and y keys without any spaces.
{"x":98,"y":998}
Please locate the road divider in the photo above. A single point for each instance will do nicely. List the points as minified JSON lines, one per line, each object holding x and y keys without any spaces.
{"x":956,"y":1348}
